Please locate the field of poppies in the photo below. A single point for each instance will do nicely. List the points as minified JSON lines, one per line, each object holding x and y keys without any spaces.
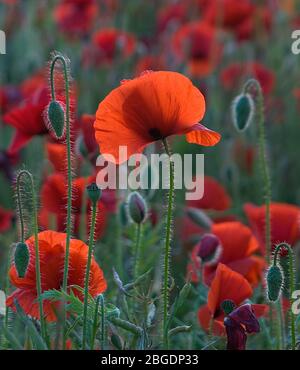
{"x":85,"y":265}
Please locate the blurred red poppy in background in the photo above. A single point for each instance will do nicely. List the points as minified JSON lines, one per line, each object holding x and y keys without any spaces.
{"x":52,"y":247}
{"x":6,"y":217}
{"x":236,"y":74}
{"x":285,"y":221}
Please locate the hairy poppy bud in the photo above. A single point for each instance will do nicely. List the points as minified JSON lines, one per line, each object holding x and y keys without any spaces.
{"x":228,"y":306}
{"x":242,"y":111}
{"x":94,"y":193}
{"x":56,"y":117}
{"x":199,"y":218}
{"x":21,"y":259}
{"x":274,"y":282}
{"x":137,"y":208}
{"x":209,"y":248}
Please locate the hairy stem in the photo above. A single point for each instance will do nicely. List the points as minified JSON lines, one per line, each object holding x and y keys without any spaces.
{"x":167,"y":248}
{"x":137,"y":251}
{"x":87,"y":274}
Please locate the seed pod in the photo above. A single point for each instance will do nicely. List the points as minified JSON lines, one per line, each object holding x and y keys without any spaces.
{"x":94,"y":193}
{"x":21,"y":259}
{"x":137,"y":207}
{"x":274,"y":282}
{"x":56,"y":117}
{"x":228,"y":306}
{"x":242,"y":111}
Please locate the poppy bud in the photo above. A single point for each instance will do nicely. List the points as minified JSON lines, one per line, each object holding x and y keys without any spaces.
{"x":21,"y":259}
{"x":56,"y":117}
{"x":242,"y":111}
{"x":274,"y":282}
{"x":199,"y":218}
{"x":209,"y":248}
{"x":137,"y":208}
{"x":94,"y":193}
{"x":228,"y":306}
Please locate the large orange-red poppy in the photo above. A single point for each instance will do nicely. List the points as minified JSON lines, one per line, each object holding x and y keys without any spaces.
{"x":285,"y":221}
{"x":226,"y":285}
{"x":52,"y":247}
{"x":150,"y":108}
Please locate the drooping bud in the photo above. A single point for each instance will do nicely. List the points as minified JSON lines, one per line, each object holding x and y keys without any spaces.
{"x":199,"y":218}
{"x":94,"y":193}
{"x":243,"y":111}
{"x":21,"y":259}
{"x":228,"y":306}
{"x":274,"y":282}
{"x":209,"y":249}
{"x":137,"y":207}
{"x":55,"y":117}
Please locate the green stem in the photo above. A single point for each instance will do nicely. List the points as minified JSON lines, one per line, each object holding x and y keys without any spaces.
{"x":167,"y":250}
{"x":287,"y":247}
{"x":95,"y":322}
{"x":87,"y":274}
{"x":263,"y":161}
{"x":36,"y":244}
{"x":69,"y":170}
{"x":137,"y":251}
{"x":102,"y":341}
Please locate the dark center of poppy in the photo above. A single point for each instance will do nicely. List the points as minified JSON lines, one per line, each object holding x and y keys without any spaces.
{"x":155,"y":133}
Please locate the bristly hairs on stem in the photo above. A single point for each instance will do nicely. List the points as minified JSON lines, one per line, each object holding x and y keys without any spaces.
{"x":292,"y":284}
{"x":258,"y":98}
{"x":167,"y":247}
{"x":28,"y":175}
{"x":65,"y":63}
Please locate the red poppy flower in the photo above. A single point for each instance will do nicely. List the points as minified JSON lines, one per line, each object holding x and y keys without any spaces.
{"x":76,"y":17}
{"x":57,"y":155}
{"x":215,"y":196}
{"x":52,"y":247}
{"x":226,"y":285}
{"x":238,"y":246}
{"x":285,"y":220}
{"x":236,"y":74}
{"x":238,"y":324}
{"x":170,"y":14}
{"x":9,"y":97}
{"x":109,"y":43}
{"x":244,"y":155}
{"x":196,"y":42}
{"x":149,"y":108}
{"x":228,"y":13}
{"x":5,"y":219}
{"x":54,"y":201}
{"x":88,"y":135}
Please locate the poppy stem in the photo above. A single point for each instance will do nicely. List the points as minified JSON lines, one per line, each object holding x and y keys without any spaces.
{"x":63,"y":61}
{"x":25,"y":173}
{"x":263,"y":158}
{"x":288,"y":248}
{"x":95,"y":322}
{"x":87,"y":273}
{"x":167,"y":250}
{"x":102,"y":339}
{"x":137,"y":251}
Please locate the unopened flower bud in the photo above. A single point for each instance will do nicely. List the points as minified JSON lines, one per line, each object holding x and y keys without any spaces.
{"x":274,"y":282}
{"x":243,"y":111}
{"x":94,"y":193}
{"x":137,"y":207}
{"x":199,"y":218}
{"x":55,"y":116}
{"x":21,"y":259}
{"x":209,"y":248}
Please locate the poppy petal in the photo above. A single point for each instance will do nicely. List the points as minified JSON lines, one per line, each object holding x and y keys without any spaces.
{"x":201,"y":135}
